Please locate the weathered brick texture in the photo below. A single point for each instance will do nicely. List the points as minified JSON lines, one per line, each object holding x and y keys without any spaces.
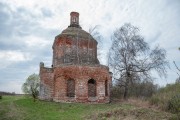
{"x":75,"y":75}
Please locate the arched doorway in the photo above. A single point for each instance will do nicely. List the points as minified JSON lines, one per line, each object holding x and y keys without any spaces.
{"x":70,"y":88}
{"x":92,"y":88}
{"x":106,"y":88}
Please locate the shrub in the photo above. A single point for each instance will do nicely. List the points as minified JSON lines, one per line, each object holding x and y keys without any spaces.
{"x":174,"y":104}
{"x":154,"y":100}
{"x":0,"y":97}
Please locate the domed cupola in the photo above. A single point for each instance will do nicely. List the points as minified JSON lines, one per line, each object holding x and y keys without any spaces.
{"x":74,"y":45}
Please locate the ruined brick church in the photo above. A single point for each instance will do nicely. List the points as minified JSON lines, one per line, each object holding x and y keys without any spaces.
{"x":76,"y":74}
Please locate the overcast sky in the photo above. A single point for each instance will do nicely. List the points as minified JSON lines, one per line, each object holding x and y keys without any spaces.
{"x":28,"y":28}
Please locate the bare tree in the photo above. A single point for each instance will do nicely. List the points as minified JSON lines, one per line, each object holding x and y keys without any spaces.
{"x":178,"y":73}
{"x":97,"y":36}
{"x":178,"y":80}
{"x":131,"y":58}
{"x":95,"y":33}
{"x":177,"y":69}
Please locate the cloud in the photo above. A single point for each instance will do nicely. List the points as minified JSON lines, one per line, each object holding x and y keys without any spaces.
{"x":11,"y":86}
{"x":46,"y":12}
{"x":32,"y":41}
{"x":12,"y":57}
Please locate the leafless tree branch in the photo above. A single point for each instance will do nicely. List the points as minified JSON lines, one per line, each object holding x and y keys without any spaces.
{"x":176,"y":66}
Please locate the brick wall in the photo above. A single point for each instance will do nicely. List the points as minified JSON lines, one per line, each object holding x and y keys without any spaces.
{"x":46,"y":83}
{"x":55,"y":81}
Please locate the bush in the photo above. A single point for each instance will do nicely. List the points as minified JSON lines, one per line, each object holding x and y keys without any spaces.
{"x":0,"y":97}
{"x":166,"y":96}
{"x":174,"y":104}
{"x":154,"y":100}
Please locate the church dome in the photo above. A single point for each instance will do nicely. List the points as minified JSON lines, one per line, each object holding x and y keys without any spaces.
{"x":74,"y":45}
{"x":78,"y":32}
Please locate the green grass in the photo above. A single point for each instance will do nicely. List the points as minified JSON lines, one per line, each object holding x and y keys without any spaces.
{"x":23,"y":108}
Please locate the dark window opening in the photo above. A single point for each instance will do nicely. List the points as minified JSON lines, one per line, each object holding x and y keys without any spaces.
{"x":92,"y":88}
{"x":106,"y":88}
{"x":70,"y":88}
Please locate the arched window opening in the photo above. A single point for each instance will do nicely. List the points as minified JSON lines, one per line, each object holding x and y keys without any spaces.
{"x":92,"y":88}
{"x":70,"y":88}
{"x":106,"y":88}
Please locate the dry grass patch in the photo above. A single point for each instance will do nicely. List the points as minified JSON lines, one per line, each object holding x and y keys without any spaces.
{"x":131,"y":114}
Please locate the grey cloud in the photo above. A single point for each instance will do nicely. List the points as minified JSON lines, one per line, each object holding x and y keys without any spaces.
{"x":154,"y":38}
{"x":4,"y":17}
{"x":15,"y":26}
{"x":47,"y":12}
{"x":6,"y":45}
{"x":22,"y":22}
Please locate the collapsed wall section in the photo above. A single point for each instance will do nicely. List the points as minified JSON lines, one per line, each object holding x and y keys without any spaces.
{"x":46,"y":83}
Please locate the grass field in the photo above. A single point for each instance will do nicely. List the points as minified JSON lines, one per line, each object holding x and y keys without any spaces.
{"x":23,"y":108}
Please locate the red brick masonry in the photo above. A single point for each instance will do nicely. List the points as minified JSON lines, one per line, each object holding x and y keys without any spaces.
{"x":75,"y":75}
